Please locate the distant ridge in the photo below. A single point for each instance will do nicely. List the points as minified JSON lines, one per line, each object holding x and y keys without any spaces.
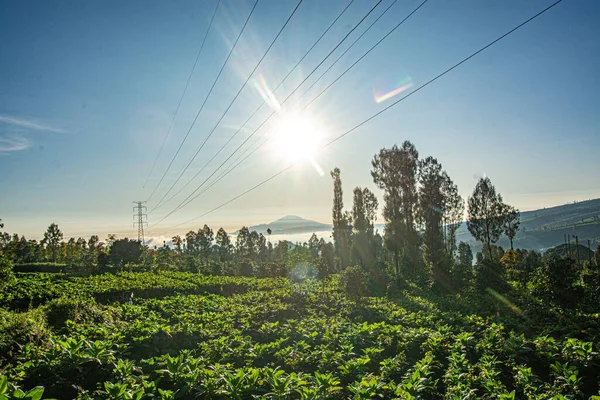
{"x":290,"y":224}
{"x":546,"y":227}
{"x":540,"y":229}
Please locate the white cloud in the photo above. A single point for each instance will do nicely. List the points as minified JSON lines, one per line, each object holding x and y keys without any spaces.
{"x":29,"y":124}
{"x":9,"y":144}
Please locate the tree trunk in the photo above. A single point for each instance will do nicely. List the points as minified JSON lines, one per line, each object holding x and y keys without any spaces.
{"x":511,"y":243}
{"x":397,"y":262}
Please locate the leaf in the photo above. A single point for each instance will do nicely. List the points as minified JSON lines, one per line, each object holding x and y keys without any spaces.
{"x":36,"y":393}
{"x":3,"y":384}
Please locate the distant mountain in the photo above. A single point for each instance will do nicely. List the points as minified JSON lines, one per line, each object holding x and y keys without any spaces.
{"x":545,"y":228}
{"x":291,"y":224}
{"x":540,"y":229}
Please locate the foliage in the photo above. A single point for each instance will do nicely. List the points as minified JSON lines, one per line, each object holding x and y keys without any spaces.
{"x":125,"y":251}
{"x":485,"y":214}
{"x":557,"y":279}
{"x":395,"y":172}
{"x":354,"y":282}
{"x":342,"y":229}
{"x":6,"y":270}
{"x":52,"y":239}
{"x":278,"y":340}
{"x":511,"y":222}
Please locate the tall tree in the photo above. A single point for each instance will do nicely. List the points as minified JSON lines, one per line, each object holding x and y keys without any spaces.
{"x":125,"y":251}
{"x":205,"y":239}
{"x":454,"y":213}
{"x":341,"y":223}
{"x":462,"y":270}
{"x":177,"y":241}
{"x":314,"y":246}
{"x":395,"y":172}
{"x":485,"y":214}
{"x":432,"y":206}
{"x":244,"y":245}
{"x":52,"y":238}
{"x":225,"y":248}
{"x":364,"y":214}
{"x":511,"y":217}
{"x":193,"y":242}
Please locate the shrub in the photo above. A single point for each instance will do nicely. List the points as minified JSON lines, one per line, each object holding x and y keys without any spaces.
{"x":354,"y":282}
{"x":557,"y":280}
{"x":490,"y":274}
{"x":58,"y":311}
{"x":18,"y":329}
{"x":6,"y":270}
{"x":40,"y":267}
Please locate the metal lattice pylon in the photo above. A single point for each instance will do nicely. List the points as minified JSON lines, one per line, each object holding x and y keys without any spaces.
{"x":141,"y":216}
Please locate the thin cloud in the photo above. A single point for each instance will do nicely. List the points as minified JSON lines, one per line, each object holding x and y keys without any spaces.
{"x":29,"y":124}
{"x":10,"y":144}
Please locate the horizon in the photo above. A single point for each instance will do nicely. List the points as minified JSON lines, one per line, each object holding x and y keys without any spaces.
{"x":91,"y":91}
{"x":230,"y":230}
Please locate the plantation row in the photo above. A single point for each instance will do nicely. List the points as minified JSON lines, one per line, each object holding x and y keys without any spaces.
{"x":301,"y":341}
{"x":38,"y":289}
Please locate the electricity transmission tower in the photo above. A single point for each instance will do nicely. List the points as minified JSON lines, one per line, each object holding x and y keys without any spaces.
{"x":140,"y":212}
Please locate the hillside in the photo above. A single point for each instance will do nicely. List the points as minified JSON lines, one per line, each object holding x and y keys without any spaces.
{"x":540,"y":229}
{"x":547,"y":227}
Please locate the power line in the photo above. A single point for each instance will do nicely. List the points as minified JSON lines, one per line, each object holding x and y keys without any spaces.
{"x":231,"y":103}
{"x":381,"y":111}
{"x":186,"y":201}
{"x":356,"y":40}
{"x":270,"y":115}
{"x":187,"y":83}
{"x":259,"y":107}
{"x":206,"y":98}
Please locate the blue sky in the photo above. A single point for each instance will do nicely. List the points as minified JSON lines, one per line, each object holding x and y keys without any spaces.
{"x":87,"y":90}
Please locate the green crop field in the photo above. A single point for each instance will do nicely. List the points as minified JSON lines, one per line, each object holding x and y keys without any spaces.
{"x":189,"y":336}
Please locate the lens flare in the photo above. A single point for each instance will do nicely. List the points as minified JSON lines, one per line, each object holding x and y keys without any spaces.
{"x":504,"y":300}
{"x":403,"y":85}
{"x":260,"y":84}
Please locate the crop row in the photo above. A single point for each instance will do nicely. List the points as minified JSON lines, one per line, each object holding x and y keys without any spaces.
{"x":37,"y":289}
{"x":293,"y":342}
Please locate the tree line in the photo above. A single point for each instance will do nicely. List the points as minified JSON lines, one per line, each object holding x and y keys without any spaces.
{"x":422,"y":211}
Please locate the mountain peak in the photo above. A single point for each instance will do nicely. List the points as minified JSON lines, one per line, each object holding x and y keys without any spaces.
{"x":291,"y":218}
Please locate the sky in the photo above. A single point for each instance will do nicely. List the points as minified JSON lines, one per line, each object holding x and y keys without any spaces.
{"x":88,"y":89}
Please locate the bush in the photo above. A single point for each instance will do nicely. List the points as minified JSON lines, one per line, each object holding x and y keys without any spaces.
{"x":80,"y":310}
{"x":490,"y":274}
{"x":18,"y":329}
{"x":354,"y":282}
{"x":557,"y":280}
{"x":6,"y":270}
{"x":40,"y":267}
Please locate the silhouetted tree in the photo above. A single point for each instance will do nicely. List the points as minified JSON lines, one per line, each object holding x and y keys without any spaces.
{"x":454,"y":213}
{"x":313,"y":246}
{"x":125,"y":251}
{"x":52,"y":238}
{"x":364,"y":214}
{"x":485,"y":214}
{"x":462,"y":270}
{"x":193,"y":242}
{"x":225,"y":248}
{"x":431,"y":212}
{"x":177,"y":242}
{"x":341,"y":221}
{"x":511,"y":222}
{"x":205,"y":239}
{"x":244,"y":245}
{"x":395,"y":172}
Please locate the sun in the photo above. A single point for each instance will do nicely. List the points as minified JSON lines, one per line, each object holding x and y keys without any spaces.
{"x":296,"y":137}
